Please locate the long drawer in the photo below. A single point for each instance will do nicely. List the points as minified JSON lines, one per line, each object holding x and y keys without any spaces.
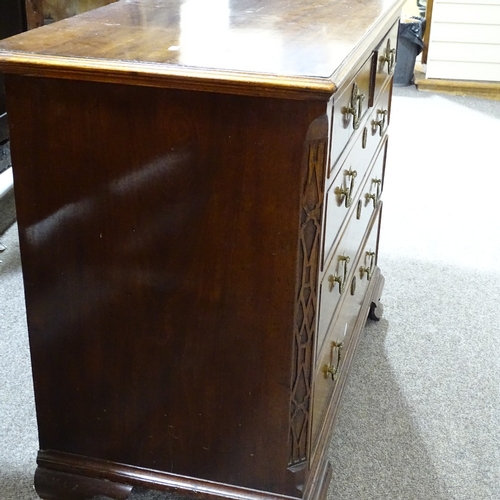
{"x":335,"y":349}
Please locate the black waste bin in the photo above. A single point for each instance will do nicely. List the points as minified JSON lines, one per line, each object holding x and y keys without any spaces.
{"x":410,"y":44}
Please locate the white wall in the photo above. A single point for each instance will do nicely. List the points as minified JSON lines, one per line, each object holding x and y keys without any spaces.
{"x":465,"y":40}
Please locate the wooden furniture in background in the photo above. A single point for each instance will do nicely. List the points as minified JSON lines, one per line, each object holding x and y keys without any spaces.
{"x":12,"y":22}
{"x":199,"y":223}
{"x":41,"y":12}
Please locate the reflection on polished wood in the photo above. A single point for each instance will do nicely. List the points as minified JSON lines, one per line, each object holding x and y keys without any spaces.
{"x":246,"y":47}
{"x":175,"y":173}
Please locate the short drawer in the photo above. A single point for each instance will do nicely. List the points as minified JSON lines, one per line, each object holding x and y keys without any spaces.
{"x":376,"y":126}
{"x":373,"y":187}
{"x":337,"y":346}
{"x":349,"y":110}
{"x":385,"y":60}
{"x":373,"y":130}
{"x":356,"y":188}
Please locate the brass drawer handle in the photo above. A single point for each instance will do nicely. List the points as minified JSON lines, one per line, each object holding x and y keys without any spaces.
{"x":356,"y":106}
{"x":368,"y":270}
{"x":347,"y":191}
{"x":372,"y":197}
{"x":332,"y":279}
{"x":333,"y":368}
{"x":380,"y":123}
{"x":389,"y":57}
{"x":375,"y":197}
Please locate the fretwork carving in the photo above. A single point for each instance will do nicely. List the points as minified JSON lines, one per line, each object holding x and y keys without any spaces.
{"x":306,"y":300}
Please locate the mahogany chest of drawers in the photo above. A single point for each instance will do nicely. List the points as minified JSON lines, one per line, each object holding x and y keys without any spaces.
{"x":198,"y":189}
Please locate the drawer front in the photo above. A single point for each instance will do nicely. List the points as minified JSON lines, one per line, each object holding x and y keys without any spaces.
{"x":362,"y":93}
{"x":330,"y":362}
{"x":376,"y":126}
{"x":373,"y":187}
{"x":338,"y":210}
{"x":385,"y":59}
{"x":349,"y":110}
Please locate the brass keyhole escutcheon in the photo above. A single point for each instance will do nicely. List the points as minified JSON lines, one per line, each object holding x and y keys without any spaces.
{"x":353,"y":285}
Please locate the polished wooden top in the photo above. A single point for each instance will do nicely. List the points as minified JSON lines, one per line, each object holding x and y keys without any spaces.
{"x":293,"y":45}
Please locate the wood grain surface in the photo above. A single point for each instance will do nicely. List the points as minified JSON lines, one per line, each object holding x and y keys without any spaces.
{"x":171,"y":164}
{"x":293,"y":45}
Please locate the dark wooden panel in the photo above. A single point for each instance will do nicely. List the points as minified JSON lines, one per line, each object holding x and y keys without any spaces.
{"x":55,"y":485}
{"x":159,"y":256}
{"x":90,"y":476}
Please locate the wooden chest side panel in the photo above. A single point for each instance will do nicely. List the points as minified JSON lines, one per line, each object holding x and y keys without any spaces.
{"x":159,"y":240}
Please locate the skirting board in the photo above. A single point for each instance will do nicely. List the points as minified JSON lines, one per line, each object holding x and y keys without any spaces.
{"x":486,"y":90}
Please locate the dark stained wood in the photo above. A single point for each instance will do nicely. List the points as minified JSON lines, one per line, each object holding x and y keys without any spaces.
{"x":290,"y":46}
{"x":55,"y":463}
{"x":172,"y":233}
{"x":54,"y":485}
{"x":168,"y":216}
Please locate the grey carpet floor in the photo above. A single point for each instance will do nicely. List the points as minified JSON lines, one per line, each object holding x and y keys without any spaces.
{"x":420,"y":417}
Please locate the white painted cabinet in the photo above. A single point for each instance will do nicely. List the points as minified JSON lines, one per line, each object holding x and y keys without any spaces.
{"x":465,"y":40}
